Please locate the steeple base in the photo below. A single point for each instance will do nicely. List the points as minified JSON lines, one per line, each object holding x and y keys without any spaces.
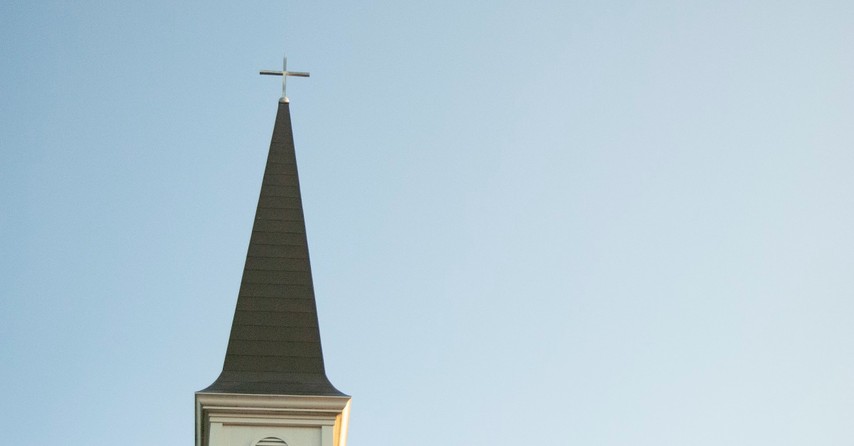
{"x":266,"y":420}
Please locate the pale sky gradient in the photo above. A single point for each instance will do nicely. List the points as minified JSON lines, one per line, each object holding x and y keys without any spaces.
{"x":542,"y":222}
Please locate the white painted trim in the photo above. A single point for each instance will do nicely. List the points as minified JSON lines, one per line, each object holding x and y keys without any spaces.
{"x":272,"y":421}
{"x":292,"y":402}
{"x":344,"y":425}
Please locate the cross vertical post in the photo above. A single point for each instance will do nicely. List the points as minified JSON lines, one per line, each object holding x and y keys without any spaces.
{"x":285,"y":73}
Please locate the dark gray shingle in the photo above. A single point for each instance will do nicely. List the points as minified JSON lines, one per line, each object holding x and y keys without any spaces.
{"x":274,"y":347}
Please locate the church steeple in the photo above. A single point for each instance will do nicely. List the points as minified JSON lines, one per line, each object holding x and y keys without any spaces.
{"x":274,"y":347}
{"x":273,"y":387}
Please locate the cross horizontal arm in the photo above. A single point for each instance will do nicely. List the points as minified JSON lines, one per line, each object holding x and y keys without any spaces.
{"x":285,"y":73}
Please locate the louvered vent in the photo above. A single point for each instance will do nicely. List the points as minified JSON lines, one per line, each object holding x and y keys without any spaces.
{"x":271,"y":441}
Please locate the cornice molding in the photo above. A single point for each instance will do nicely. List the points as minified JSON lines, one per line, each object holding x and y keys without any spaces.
{"x":266,"y":402}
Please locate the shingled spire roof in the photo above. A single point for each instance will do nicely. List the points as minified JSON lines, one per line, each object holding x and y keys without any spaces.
{"x":274,"y":347}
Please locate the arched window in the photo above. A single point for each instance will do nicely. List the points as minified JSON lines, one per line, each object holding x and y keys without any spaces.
{"x":271,"y":441}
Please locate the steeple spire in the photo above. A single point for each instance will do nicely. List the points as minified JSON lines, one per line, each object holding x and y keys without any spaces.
{"x":273,"y":387}
{"x":274,"y":347}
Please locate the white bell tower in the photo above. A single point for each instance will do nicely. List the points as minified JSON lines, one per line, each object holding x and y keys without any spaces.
{"x":269,"y":420}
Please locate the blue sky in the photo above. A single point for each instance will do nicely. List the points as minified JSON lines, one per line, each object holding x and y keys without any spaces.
{"x":595,"y":223}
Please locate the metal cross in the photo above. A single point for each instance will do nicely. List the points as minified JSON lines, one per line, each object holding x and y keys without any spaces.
{"x":285,"y":73}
